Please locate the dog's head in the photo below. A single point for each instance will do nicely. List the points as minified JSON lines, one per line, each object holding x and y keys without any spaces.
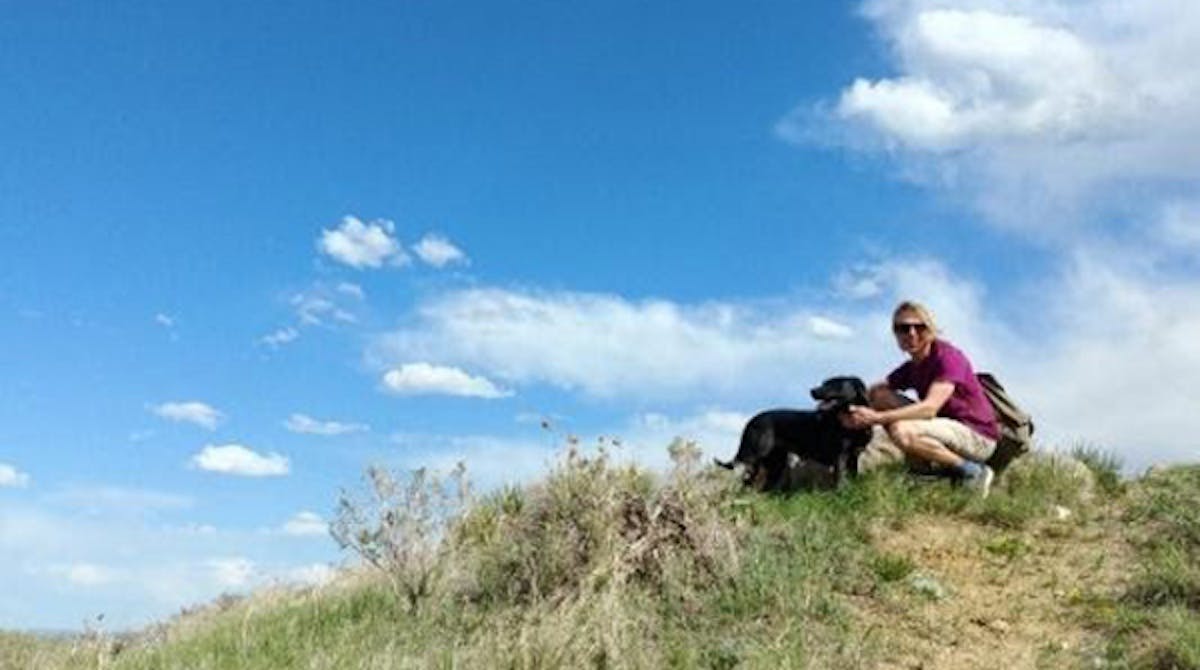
{"x":837,"y":393}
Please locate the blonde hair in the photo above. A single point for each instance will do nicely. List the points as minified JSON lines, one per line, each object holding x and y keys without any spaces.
{"x":920,"y":310}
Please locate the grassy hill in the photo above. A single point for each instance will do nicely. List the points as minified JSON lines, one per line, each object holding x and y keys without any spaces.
{"x":607,"y":566}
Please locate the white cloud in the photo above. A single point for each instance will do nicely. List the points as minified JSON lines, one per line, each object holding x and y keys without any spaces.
{"x":164,"y":320}
{"x":1116,"y":369}
{"x":978,"y":75}
{"x":607,"y":346}
{"x":98,"y":499}
{"x":232,"y":573}
{"x":423,"y":378}
{"x":195,"y":412}
{"x":82,"y":573}
{"x":1038,"y":114}
{"x":1072,"y":123}
{"x":88,"y":574}
{"x":194,"y":529}
{"x":141,"y":435}
{"x":1077,"y":347}
{"x":316,"y":574}
{"x":234,"y":459}
{"x":828,"y":328}
{"x":302,"y":423}
{"x":316,"y":306}
{"x":353,"y":290}
{"x":857,"y":284}
{"x":715,"y":432}
{"x":1179,"y":223}
{"x":306,"y":524}
{"x":363,"y":245}
{"x":437,"y":251}
{"x":141,"y":570}
{"x":309,"y":308}
{"x":491,"y":460}
{"x":280,"y":337}
{"x":11,"y":477}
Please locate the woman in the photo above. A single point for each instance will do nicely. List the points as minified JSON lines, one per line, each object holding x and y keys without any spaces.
{"x":952,"y":424}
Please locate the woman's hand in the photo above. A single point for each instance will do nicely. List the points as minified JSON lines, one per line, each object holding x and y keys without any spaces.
{"x":857,"y":416}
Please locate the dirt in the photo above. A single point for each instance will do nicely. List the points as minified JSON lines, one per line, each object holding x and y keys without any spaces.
{"x":985,"y":597}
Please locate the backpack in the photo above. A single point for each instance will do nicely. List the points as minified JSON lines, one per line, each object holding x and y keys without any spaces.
{"x":1016,"y":426}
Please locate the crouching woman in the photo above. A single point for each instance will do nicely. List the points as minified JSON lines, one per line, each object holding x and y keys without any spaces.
{"x":952,"y":424}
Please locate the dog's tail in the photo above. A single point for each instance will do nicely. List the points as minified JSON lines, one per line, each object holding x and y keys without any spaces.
{"x":728,"y":465}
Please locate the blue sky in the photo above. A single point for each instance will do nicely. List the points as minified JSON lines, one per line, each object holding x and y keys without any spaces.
{"x":253,"y":249}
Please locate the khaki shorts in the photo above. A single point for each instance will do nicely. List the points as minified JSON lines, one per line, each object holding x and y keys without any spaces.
{"x":956,"y":437}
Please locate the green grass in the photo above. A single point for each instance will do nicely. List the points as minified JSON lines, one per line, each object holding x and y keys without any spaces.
{"x":27,"y":651}
{"x":892,"y":568}
{"x":607,"y":566}
{"x":1157,"y":623}
{"x":1105,"y":465}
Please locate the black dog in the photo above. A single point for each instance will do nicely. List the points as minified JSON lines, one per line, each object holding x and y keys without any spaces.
{"x":816,"y":436}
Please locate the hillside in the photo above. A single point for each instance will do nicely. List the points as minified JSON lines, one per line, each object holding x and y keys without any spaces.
{"x":607,"y":566}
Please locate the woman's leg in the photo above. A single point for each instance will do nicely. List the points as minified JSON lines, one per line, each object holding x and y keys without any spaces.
{"x":917,"y":444}
{"x":949,"y":443}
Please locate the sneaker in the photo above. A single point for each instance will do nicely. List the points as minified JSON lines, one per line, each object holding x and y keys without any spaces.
{"x":981,"y":482}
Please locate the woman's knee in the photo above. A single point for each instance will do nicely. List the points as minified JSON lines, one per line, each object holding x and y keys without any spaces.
{"x":903,"y":433}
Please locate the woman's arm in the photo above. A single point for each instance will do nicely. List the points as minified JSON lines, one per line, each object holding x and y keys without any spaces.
{"x":927,"y":408}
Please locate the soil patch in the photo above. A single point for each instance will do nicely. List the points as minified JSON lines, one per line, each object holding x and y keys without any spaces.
{"x":984,"y":597}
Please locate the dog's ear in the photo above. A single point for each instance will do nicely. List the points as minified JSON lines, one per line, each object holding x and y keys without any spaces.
{"x":858,"y":392}
{"x":833,"y":388}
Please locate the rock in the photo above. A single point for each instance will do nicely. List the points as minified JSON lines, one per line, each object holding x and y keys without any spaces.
{"x":995,"y":625}
{"x":928,"y":586}
{"x":880,"y":451}
{"x":1062,"y":465}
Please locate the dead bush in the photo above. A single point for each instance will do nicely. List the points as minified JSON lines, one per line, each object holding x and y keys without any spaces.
{"x":399,"y":525}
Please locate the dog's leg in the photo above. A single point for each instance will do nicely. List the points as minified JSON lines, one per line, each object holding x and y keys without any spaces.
{"x":840,"y":468}
{"x":756,"y":479}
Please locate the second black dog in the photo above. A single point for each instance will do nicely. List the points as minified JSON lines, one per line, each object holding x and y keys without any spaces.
{"x":817,"y":436}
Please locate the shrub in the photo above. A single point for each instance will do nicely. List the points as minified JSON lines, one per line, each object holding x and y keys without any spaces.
{"x":1033,"y":485}
{"x":398,"y":527}
{"x":591,"y":524}
{"x":1104,"y":464}
{"x":892,"y":567}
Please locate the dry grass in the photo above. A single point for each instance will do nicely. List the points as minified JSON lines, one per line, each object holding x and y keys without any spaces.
{"x":609,"y":566}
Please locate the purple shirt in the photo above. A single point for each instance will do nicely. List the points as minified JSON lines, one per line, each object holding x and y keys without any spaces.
{"x":967,"y":405}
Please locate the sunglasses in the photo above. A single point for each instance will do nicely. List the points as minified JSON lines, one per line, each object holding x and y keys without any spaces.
{"x":902,"y":328}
